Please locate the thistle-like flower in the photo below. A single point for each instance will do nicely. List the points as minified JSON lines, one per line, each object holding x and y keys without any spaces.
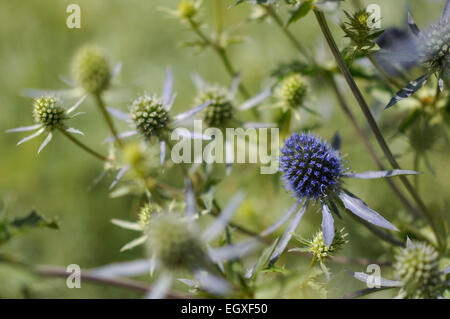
{"x":49,"y":114}
{"x":221,"y":113}
{"x":417,"y":268}
{"x":150,"y":117}
{"x":417,"y":273}
{"x":176,"y":243}
{"x":319,"y":250}
{"x":433,"y":47}
{"x":362,"y":32}
{"x":91,"y":70}
{"x":313,"y":170}
{"x":292,"y":91}
{"x":317,"y":247}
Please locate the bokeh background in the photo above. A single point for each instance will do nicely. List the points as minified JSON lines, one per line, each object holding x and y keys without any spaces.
{"x":36,"y":48}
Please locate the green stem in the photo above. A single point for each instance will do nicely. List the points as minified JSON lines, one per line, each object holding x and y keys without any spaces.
{"x":107,"y":117}
{"x":372,"y":123}
{"x":221,"y":52}
{"x":345,"y":108}
{"x":83,"y":146}
{"x":288,"y":33}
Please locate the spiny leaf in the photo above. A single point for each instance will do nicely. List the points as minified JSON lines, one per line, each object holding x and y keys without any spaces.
{"x":17,"y":226}
{"x":408,"y":90}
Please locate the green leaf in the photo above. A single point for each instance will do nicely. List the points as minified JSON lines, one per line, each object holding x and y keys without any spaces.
{"x":17,"y":226}
{"x":300,"y":12}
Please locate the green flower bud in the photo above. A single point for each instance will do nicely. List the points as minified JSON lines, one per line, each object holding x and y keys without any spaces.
{"x":144,"y":215}
{"x":49,"y":112}
{"x":220,"y":112}
{"x":174,"y":243}
{"x":149,"y":116}
{"x":292,"y":91}
{"x":91,"y":70}
{"x":422,"y":138}
{"x":417,"y":267}
{"x":320,"y":251}
{"x":186,"y":9}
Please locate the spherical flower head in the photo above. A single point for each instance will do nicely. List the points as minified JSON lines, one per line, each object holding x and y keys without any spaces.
{"x":91,"y":70}
{"x":320,"y":251}
{"x":417,"y":267}
{"x":186,"y":9}
{"x":149,"y":116}
{"x":49,"y":112}
{"x":220,"y":112}
{"x":174,"y":243}
{"x":311,"y":167}
{"x":434,"y":47}
{"x":292,"y":91}
{"x":144,"y":215}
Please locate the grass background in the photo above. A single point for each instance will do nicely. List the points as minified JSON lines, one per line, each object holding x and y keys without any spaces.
{"x":36,"y":47}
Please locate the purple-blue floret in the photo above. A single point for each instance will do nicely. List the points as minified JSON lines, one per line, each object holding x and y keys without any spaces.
{"x":311,"y":166}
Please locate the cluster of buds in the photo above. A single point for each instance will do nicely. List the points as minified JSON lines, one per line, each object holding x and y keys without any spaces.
{"x":91,"y":70}
{"x":292,"y":91}
{"x":362,"y":31}
{"x":149,"y":116}
{"x":317,"y":247}
{"x":49,"y":112}
{"x":417,"y":267}
{"x":220,"y":112}
{"x":174,"y":243}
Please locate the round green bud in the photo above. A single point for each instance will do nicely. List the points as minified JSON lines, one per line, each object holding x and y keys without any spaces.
{"x":91,"y":70}
{"x":144,"y":215}
{"x":174,"y":243}
{"x":417,"y":267}
{"x":49,"y":112}
{"x":317,"y":245}
{"x":220,"y":112}
{"x":422,"y":138}
{"x":292,"y":91}
{"x":149,"y":116}
{"x":186,"y":9}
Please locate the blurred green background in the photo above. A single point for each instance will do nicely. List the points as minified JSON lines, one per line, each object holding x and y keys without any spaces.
{"x":36,"y":48}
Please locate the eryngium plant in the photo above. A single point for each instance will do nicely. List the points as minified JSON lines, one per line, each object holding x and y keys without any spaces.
{"x":175,"y":208}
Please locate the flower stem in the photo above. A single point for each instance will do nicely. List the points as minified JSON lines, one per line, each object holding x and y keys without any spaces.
{"x":83,"y":146}
{"x":345,"y":108}
{"x":291,"y":37}
{"x":124,"y":283}
{"x":107,"y":117}
{"x":371,"y":121}
{"x":221,"y":52}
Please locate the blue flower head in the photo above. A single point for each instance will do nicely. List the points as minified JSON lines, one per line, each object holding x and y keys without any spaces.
{"x":313,"y":170}
{"x":311,"y":166}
